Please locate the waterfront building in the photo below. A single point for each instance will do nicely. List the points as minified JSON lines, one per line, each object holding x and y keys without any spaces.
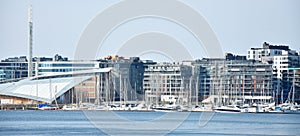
{"x":14,"y":68}
{"x":248,"y":82}
{"x":232,"y":81}
{"x":128,"y":77}
{"x":281,"y":58}
{"x":291,"y":79}
{"x":61,"y":88}
{"x":165,"y":82}
{"x":216,"y":81}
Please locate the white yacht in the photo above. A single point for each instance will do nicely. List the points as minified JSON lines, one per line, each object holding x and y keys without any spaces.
{"x":165,"y":108}
{"x":227,"y":109}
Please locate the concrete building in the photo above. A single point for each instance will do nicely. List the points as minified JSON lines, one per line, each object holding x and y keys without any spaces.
{"x":266,"y":50}
{"x":254,"y":54}
{"x":232,"y":81}
{"x":167,"y":83}
{"x":2,"y":75}
{"x":281,"y":58}
{"x":291,"y":79}
{"x":128,"y":76}
{"x":249,"y":82}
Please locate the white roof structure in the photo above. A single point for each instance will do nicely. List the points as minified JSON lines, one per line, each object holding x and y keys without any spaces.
{"x":47,"y":88}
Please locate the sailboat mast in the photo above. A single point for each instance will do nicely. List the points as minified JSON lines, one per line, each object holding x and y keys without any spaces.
{"x":197,"y":90}
{"x":50,"y":88}
{"x":121,"y":90}
{"x":293,"y":97}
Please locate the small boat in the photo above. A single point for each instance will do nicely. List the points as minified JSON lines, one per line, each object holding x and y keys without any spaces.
{"x":165,"y":108}
{"x":70,"y":107}
{"x":46,"y":107}
{"x":227,"y":109}
{"x":203,"y":108}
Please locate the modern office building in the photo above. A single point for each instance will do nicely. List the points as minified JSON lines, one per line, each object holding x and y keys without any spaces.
{"x":14,"y":68}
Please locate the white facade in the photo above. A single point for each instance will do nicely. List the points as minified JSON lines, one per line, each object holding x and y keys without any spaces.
{"x":259,"y":53}
{"x":280,"y":56}
{"x":283,"y":62}
{"x":254,"y":54}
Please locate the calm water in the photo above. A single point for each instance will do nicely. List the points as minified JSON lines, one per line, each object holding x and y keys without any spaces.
{"x":83,"y":123}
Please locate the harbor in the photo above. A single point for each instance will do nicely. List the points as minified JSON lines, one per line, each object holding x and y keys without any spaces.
{"x":149,"y":67}
{"x":244,"y":87}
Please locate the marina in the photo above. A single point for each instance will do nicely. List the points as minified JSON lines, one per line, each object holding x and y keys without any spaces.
{"x":149,"y":68}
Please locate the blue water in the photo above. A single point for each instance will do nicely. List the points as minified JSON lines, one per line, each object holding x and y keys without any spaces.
{"x":77,"y":123}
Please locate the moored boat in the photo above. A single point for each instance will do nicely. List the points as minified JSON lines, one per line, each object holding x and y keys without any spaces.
{"x":165,"y":108}
{"x":227,"y":109}
{"x":46,"y":107}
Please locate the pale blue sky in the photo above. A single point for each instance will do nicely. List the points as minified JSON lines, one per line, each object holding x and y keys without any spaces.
{"x":238,"y":25}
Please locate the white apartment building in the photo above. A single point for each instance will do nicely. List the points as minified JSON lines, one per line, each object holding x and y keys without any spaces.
{"x":281,"y":57}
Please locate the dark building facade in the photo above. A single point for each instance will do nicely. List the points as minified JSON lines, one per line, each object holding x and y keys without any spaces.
{"x":127,"y":77}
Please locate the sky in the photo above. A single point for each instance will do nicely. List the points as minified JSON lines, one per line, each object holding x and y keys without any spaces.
{"x":58,"y":26}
